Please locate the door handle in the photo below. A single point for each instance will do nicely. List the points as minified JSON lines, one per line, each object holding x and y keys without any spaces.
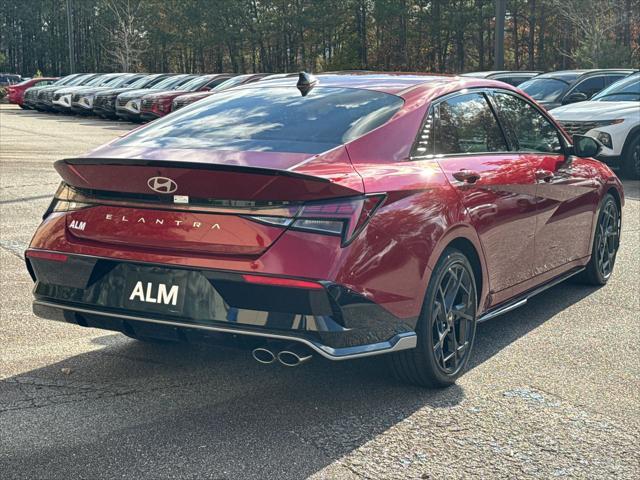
{"x":466,"y":176}
{"x":544,"y":175}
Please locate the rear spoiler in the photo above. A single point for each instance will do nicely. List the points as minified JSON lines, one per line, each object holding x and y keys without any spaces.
{"x":207,"y":180}
{"x":59,"y":165}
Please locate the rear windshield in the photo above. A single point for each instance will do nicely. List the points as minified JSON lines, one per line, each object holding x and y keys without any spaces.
{"x":271,"y":119}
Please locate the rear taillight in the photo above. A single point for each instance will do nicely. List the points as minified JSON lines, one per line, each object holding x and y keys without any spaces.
{"x":344,"y":218}
{"x":64,"y":200}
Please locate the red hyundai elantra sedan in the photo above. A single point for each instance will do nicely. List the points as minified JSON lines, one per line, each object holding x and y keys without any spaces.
{"x":339,"y":215}
{"x":15,"y":93}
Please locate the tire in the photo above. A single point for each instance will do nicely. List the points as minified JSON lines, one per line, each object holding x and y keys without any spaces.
{"x":604,"y":249}
{"x":24,"y":108}
{"x":426,"y":365}
{"x":631,"y":160}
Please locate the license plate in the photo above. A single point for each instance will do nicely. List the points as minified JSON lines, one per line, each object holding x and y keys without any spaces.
{"x":154,"y":293}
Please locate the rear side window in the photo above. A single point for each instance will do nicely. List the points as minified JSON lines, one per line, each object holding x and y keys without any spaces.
{"x":466,"y":124}
{"x":271,"y":119}
{"x":528,"y":129}
{"x":590,"y":86}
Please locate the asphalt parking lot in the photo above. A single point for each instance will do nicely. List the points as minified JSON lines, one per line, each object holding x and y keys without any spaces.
{"x":553,"y":390}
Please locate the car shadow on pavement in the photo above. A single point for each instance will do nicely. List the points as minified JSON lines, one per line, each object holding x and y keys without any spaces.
{"x":498,"y":333}
{"x":161,"y":410}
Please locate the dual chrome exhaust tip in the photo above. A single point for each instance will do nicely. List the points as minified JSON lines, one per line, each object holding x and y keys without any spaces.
{"x":290,"y":355}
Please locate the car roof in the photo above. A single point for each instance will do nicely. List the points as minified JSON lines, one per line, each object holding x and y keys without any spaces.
{"x":570,"y":75}
{"x":388,"y":82}
{"x":491,"y":73}
{"x":397,"y":83}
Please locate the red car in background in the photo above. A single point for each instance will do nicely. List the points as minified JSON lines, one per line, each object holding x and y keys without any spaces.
{"x":339,"y":215}
{"x":155,"y":105}
{"x":189,"y":98}
{"x":15,"y":92}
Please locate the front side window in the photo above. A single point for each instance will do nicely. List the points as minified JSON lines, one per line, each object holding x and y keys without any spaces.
{"x":276,"y":119}
{"x":466,"y":124}
{"x":590,"y":86}
{"x":527,"y":128}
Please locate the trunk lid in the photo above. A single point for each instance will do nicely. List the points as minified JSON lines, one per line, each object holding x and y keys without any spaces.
{"x":204,"y":202}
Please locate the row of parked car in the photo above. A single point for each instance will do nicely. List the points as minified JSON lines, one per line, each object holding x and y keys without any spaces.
{"x":602,"y":103}
{"x":130,"y":96}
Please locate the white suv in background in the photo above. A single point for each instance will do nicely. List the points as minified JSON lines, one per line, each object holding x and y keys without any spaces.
{"x":613,"y":117}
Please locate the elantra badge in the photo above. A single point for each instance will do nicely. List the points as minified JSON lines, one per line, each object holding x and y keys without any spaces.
{"x":162,"y":185}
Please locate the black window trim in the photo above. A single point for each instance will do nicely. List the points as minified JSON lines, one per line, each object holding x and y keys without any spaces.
{"x":564,"y":144}
{"x":488,"y":94}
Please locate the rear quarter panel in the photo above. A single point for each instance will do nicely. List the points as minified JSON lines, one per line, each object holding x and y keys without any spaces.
{"x":394,"y":256}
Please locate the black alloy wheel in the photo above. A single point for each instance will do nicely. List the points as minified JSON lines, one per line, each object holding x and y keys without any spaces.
{"x":605,"y":243}
{"x":452,"y":318}
{"x":446,"y":328}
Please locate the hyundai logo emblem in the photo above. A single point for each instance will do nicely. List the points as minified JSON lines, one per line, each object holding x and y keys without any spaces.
{"x":162,"y":185}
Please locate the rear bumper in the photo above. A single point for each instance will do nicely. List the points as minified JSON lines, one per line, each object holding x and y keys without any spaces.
{"x":332,"y":320}
{"x":171,"y":329}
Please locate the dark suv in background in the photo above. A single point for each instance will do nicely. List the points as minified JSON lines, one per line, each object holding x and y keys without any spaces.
{"x":514,"y":78}
{"x":570,"y":86}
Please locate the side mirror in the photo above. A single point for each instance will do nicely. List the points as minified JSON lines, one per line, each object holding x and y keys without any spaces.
{"x":575,"y":97}
{"x":586,"y":147}
{"x":204,"y":89}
